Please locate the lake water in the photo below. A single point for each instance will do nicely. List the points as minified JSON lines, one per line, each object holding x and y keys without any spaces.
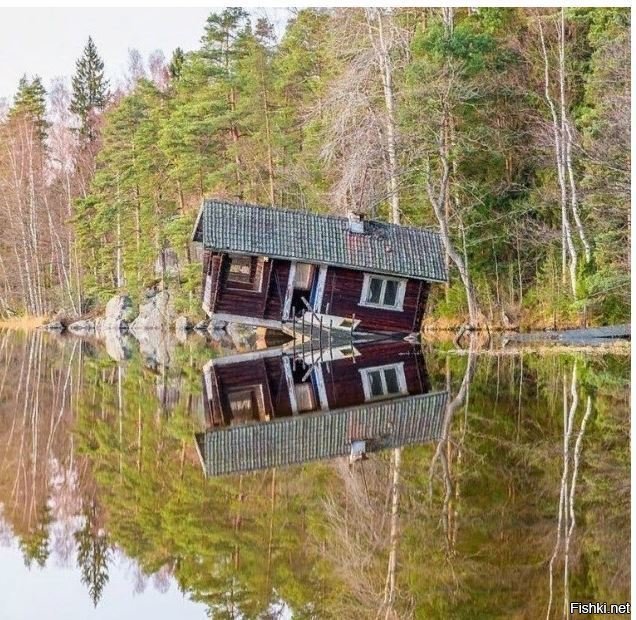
{"x":188,"y":480}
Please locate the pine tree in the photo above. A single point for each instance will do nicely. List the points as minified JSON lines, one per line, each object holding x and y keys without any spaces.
{"x":90,"y":89}
{"x":176,"y":62}
{"x":30,"y":102}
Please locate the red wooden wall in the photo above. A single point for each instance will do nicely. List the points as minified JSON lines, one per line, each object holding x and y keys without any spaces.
{"x":343,"y":289}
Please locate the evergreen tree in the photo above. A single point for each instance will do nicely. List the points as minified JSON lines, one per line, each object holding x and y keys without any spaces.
{"x":90,"y":89}
{"x":176,"y":62}
{"x":93,"y":554}
{"x":30,"y":102}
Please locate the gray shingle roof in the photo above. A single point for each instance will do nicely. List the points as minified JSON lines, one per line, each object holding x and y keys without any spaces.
{"x":300,"y":235}
{"x":322,"y":435}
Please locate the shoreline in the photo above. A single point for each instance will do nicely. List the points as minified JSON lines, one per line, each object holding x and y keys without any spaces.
{"x":23,"y":323}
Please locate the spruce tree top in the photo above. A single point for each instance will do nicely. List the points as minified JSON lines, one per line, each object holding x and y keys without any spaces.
{"x":90,"y":88}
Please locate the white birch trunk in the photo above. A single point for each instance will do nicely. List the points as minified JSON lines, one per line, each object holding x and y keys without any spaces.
{"x":568,"y":247}
{"x":386,"y":73}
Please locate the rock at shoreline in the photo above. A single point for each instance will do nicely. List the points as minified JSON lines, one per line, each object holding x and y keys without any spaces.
{"x":83,"y":327}
{"x":216,"y":325}
{"x":183,"y":324}
{"x":155,"y":346}
{"x":119,"y":312}
{"x":202,"y":326}
{"x":118,"y":345}
{"x":156,"y":313}
{"x":243,"y":336}
{"x":54,"y":326}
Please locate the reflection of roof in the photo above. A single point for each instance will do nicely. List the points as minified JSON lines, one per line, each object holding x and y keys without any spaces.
{"x":322,"y":435}
{"x":293,"y":234}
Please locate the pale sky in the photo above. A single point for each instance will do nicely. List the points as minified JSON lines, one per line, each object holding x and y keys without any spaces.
{"x":57,"y":593}
{"x":47,"y":41}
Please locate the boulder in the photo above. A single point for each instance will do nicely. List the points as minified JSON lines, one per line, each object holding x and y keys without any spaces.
{"x":156,"y":346}
{"x":54,"y":326}
{"x":243,"y":336}
{"x":118,"y":345}
{"x":156,"y":313}
{"x":222,"y":339}
{"x":83,"y":327}
{"x":202,"y":326}
{"x":119,"y":312}
{"x":183,"y":324}
{"x":216,"y":325}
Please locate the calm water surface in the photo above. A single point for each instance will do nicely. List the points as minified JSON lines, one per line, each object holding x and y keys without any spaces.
{"x":175,"y":480}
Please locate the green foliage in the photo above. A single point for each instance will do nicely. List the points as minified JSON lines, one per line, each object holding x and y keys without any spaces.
{"x":176,"y":62}
{"x":35,"y":544}
{"x":30,"y":103}
{"x":90,"y":89}
{"x":92,"y":557}
{"x":245,"y":116}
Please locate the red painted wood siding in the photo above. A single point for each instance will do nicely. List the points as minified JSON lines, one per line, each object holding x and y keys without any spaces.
{"x":343,"y":289}
{"x":342,"y":378}
{"x":344,"y":383}
{"x":266,"y":372}
{"x":241,"y":301}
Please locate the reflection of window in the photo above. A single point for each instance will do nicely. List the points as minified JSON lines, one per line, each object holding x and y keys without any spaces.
{"x":303,"y":276}
{"x":305,"y":398}
{"x":245,"y":272}
{"x":383,"y":381}
{"x":382,"y":292}
{"x":246,"y":403}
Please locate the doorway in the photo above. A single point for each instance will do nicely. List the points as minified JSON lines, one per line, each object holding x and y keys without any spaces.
{"x":303,"y":282}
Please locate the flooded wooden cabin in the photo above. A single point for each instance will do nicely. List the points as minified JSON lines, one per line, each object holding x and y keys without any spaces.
{"x":269,"y":409}
{"x":267,"y":266}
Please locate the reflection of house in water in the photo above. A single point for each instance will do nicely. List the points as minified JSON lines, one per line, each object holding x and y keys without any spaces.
{"x":268,"y":410}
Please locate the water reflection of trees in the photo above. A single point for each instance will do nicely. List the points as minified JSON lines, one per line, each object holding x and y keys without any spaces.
{"x":465,"y":528}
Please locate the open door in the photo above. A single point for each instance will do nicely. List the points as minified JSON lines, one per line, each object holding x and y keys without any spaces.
{"x":302,"y":278}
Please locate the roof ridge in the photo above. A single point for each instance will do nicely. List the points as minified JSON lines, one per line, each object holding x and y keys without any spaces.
{"x":332,"y":216}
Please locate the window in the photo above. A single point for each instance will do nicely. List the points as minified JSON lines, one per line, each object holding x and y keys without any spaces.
{"x":303,"y":276}
{"x":245,"y":272}
{"x":383,"y":381}
{"x":246,"y":404}
{"x":305,"y":397}
{"x":379,"y":292}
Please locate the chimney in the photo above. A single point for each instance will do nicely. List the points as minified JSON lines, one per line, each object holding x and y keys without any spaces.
{"x":356,"y":223}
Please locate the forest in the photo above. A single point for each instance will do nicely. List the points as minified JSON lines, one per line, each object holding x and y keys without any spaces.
{"x":508,"y":130}
{"x":98,"y":467}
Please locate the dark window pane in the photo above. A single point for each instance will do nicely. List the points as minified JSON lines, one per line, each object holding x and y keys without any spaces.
{"x":390,"y":293}
{"x":375,"y":381}
{"x":375,"y":289}
{"x":391,"y":378}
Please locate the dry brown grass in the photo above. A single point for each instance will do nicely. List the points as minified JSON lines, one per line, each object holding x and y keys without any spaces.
{"x":23,"y":323}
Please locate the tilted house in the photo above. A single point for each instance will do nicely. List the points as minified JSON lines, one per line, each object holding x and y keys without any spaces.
{"x":265,"y":409}
{"x":265,"y":266}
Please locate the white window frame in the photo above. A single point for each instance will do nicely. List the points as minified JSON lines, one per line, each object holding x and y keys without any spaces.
{"x":366,"y":381}
{"x":399,"y":299}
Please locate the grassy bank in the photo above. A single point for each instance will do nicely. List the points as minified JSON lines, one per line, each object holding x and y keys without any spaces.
{"x":24,"y":323}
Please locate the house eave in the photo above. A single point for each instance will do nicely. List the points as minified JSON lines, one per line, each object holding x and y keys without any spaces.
{"x":332,"y":264}
{"x":197,"y":230}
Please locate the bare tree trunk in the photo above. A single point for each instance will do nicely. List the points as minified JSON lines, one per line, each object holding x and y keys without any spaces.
{"x":566,"y":137}
{"x":558,"y":130}
{"x":437,"y":202}
{"x":389,"y":586}
{"x":386,"y":73}
{"x":118,"y":265}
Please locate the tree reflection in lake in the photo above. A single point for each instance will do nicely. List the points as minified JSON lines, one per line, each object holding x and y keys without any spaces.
{"x":522,"y":499}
